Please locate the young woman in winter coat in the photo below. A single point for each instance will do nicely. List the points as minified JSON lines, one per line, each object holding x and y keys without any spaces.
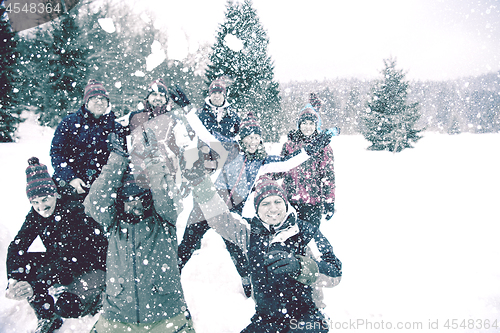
{"x":143,"y":283}
{"x":79,"y":147}
{"x":74,"y":258}
{"x":276,"y":244}
{"x":311,"y":185}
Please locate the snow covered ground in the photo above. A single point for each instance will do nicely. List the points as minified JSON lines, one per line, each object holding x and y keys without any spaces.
{"x":417,"y":233}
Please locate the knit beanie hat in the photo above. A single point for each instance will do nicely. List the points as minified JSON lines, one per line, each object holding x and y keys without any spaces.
{"x":158,"y":86}
{"x":217,"y":86}
{"x":267,"y":187}
{"x":307,"y":113}
{"x":249,"y":125}
{"x":38,"y":181}
{"x":94,"y":88}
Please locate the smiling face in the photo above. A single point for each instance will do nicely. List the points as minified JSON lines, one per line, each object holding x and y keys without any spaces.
{"x":45,"y":205}
{"x":157,"y":99}
{"x":97,"y":105}
{"x":307,"y":127}
{"x":217,"y":98}
{"x":272,"y":210}
{"x":252,"y":142}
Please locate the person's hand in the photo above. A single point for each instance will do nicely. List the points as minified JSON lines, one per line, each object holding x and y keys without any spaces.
{"x":79,"y":185}
{"x":116,"y":144}
{"x":18,"y":290}
{"x":319,"y":143}
{"x":329,"y":210}
{"x":281,"y":262}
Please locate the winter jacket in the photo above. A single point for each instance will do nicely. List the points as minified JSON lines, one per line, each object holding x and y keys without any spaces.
{"x":312,"y":182}
{"x":229,"y":124}
{"x":276,"y":296}
{"x":74,"y":243}
{"x":79,"y":148}
{"x":143,"y":282}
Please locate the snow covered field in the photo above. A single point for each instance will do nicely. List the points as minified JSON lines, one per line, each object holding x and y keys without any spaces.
{"x":417,"y":233}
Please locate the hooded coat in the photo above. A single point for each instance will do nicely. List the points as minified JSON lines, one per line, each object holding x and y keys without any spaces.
{"x":143,"y":282}
{"x":79,"y":148}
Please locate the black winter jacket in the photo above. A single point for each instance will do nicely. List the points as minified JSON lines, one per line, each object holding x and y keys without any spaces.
{"x":74,"y":243}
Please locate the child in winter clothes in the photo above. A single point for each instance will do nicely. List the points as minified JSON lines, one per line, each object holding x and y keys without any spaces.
{"x":74,"y":258}
{"x":275,"y":243}
{"x":143,"y":284}
{"x":79,"y":147}
{"x":311,"y":185}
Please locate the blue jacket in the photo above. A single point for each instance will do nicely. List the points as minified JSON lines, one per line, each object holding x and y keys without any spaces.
{"x":79,"y":147}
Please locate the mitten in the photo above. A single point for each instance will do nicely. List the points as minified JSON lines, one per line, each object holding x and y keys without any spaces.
{"x":319,"y":143}
{"x":178,"y":96}
{"x":329,"y":210}
{"x":281,"y":262}
{"x":116,"y":144}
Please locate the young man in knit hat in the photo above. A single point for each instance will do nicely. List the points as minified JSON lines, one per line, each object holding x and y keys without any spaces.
{"x":281,"y":265}
{"x":79,"y":148}
{"x":236,"y":181}
{"x":143,"y":288}
{"x":74,"y":259}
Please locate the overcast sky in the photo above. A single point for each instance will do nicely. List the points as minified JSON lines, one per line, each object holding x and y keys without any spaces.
{"x":318,"y":39}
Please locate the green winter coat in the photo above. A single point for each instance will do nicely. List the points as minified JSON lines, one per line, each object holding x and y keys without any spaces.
{"x":143,"y":283}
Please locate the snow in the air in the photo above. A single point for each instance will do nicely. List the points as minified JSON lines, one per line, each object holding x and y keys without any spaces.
{"x":417,"y":233}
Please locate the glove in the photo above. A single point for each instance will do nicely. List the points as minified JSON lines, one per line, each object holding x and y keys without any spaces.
{"x":206,"y":164}
{"x":334,"y":130}
{"x":319,"y":143}
{"x":328,"y":209}
{"x":117,"y":144}
{"x":178,"y":96}
{"x":18,"y":290}
{"x":282,"y":262}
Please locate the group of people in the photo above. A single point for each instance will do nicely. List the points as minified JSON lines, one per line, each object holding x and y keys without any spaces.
{"x":107,"y":216}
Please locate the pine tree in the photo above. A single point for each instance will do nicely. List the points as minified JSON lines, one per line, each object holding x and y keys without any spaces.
{"x":9,"y":59}
{"x":67,"y":70}
{"x":251,"y":69}
{"x":389,"y":122}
